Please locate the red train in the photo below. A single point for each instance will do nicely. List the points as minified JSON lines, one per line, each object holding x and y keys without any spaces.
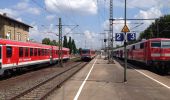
{"x":14,"y":54}
{"x":153,"y":52}
{"x":87,"y":54}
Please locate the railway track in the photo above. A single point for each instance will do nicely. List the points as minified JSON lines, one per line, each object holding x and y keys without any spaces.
{"x":43,"y":89}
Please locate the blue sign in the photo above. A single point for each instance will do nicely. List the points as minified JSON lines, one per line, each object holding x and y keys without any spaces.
{"x":119,"y":37}
{"x":131,"y":36}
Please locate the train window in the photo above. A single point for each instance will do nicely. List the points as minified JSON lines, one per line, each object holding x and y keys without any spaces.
{"x":0,"y":52}
{"x":46,"y":52}
{"x":141,"y":45}
{"x":133,"y":47}
{"x":21,"y":52}
{"x":35,"y":51}
{"x":85,"y":51}
{"x":8,"y":51}
{"x":43,"y":51}
{"x":26,"y":52}
{"x":165,"y":44}
{"x":31,"y":51}
{"x":39,"y":52}
{"x":155,"y":44}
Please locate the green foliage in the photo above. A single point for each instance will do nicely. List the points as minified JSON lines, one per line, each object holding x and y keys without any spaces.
{"x":159,"y":29}
{"x":70,"y":45}
{"x":46,"y":41}
{"x":65,"y":44}
{"x":80,"y":49}
{"x":74,"y":47}
{"x":53,"y":42}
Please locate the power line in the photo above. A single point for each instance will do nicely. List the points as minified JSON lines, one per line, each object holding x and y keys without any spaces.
{"x":41,"y":6}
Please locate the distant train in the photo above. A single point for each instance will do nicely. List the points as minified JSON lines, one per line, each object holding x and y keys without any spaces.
{"x":87,"y":54}
{"x":15,"y":55}
{"x":153,"y":52}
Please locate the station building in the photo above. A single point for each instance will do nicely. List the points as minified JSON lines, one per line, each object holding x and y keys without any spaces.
{"x":13,"y":29}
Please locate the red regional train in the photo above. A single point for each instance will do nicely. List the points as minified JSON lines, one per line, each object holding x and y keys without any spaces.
{"x":87,"y":54}
{"x":15,"y":55}
{"x":153,"y":52}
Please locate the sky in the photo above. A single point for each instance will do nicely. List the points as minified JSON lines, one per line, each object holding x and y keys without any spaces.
{"x":85,"y":21}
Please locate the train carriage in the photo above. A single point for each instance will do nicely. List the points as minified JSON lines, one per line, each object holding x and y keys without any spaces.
{"x":87,"y":54}
{"x":153,"y":52}
{"x":66,"y":54}
{"x":14,"y":54}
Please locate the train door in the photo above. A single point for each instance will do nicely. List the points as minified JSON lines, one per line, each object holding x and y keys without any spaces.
{"x":145,"y":51}
{"x":51,"y":56}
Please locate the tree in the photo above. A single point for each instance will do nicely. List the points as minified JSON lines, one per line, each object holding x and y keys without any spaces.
{"x":46,"y":41}
{"x":53,"y":42}
{"x":160,"y":29}
{"x":70,"y":45}
{"x":80,"y":49}
{"x":74,"y":49}
{"x":65,"y":44}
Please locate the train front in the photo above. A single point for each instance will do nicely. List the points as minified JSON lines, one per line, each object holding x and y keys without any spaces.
{"x":85,"y":55}
{"x":160,"y":53}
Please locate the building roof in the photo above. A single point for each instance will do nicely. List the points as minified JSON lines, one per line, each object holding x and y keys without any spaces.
{"x":12,"y":19}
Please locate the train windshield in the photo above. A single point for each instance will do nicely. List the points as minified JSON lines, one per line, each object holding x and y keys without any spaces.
{"x":165,"y":44}
{"x":85,"y":51}
{"x":156,"y":44}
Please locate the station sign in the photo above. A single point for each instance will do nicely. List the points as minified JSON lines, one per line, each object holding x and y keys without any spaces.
{"x":131,"y":36}
{"x":125,"y":29}
{"x":119,"y":36}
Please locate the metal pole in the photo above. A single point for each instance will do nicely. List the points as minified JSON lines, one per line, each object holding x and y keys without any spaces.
{"x":157,"y":28}
{"x":105,"y":51}
{"x":60,"y":43}
{"x":110,"y":40}
{"x":125,"y":51}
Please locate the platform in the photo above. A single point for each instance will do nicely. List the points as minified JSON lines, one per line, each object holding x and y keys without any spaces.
{"x":105,"y":82}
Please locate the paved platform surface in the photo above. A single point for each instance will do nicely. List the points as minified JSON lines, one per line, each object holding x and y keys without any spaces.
{"x":105,"y":82}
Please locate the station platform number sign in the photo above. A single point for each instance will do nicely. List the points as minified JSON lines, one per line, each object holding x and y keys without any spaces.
{"x":121,"y":36}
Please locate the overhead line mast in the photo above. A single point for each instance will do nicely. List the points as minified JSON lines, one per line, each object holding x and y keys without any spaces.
{"x":110,"y":38}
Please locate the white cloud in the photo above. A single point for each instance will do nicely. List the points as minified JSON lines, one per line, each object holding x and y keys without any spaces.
{"x":50,"y":17}
{"x":22,"y":5}
{"x":20,"y":8}
{"x":88,"y":35}
{"x":77,"y":6}
{"x":34,"y":11}
{"x":19,"y":19}
{"x":9,"y":12}
{"x":39,"y":33}
{"x":143,"y":4}
{"x":25,"y":7}
{"x":106,"y":25}
{"x":150,"y":13}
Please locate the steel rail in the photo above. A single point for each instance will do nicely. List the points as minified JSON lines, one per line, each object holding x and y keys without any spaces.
{"x":42,"y":83}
